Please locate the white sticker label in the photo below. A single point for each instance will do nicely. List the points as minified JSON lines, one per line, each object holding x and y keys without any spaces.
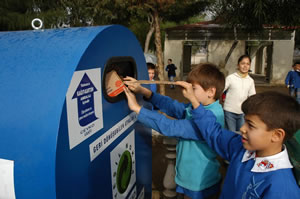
{"x":84,"y":105}
{"x":109,"y":136}
{"x":7,"y":189}
{"x":142,"y":194}
{"x":123,"y":172}
{"x":133,"y":193}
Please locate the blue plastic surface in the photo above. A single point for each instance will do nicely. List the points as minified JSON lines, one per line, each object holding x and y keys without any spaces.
{"x":36,"y":68}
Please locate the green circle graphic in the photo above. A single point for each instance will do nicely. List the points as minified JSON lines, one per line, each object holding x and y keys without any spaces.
{"x":124,"y":171}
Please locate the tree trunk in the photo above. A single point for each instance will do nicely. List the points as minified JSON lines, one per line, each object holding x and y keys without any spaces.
{"x":148,"y":38}
{"x":149,"y":34}
{"x":159,"y":51}
{"x":230,"y":51}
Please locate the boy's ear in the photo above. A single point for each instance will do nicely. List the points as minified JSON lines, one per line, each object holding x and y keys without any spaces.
{"x":278,"y":135}
{"x":211,"y":92}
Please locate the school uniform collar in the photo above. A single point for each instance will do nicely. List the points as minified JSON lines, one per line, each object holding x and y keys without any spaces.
{"x":269,"y":163}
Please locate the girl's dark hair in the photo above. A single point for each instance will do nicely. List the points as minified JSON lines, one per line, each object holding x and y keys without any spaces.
{"x":276,"y":110}
{"x":242,"y":57}
{"x":207,"y":75}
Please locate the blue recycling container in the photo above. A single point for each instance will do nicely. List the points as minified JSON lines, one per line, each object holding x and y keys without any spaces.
{"x":62,"y":135}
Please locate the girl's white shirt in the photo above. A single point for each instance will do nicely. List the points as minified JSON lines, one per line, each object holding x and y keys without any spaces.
{"x":238,"y":90}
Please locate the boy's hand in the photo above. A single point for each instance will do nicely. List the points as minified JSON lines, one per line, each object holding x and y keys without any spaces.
{"x":132,"y":103}
{"x":188,"y":92}
{"x":135,"y":87}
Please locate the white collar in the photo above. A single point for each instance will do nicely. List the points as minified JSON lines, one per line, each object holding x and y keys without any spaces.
{"x":239,"y":75}
{"x":269,"y":163}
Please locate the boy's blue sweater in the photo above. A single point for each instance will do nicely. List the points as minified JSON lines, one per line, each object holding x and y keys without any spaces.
{"x":293,"y":79}
{"x":296,"y":79}
{"x":196,"y":164}
{"x":289,"y":79}
{"x":240,"y":181}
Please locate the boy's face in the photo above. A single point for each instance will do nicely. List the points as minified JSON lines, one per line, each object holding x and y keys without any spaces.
{"x":151,"y":73}
{"x":244,"y":65}
{"x":201,"y":95}
{"x":255,"y":136}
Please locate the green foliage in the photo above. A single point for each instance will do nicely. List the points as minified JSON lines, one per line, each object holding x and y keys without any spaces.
{"x":14,"y":14}
{"x":183,"y":10}
{"x":18,"y":14}
{"x":254,"y":14}
{"x":171,"y":13}
{"x":140,"y":29}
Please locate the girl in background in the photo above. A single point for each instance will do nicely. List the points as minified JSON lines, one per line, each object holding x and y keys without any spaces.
{"x":238,"y":87}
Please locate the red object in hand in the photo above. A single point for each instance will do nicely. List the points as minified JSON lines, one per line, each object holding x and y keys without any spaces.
{"x":223,"y":97}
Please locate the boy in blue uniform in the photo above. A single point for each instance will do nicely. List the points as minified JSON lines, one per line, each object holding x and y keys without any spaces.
{"x":151,"y":73}
{"x":197,"y":169}
{"x":259,"y":163}
{"x":296,"y":79}
{"x":289,"y":81}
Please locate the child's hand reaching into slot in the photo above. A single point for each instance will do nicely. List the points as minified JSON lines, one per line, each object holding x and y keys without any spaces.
{"x":136,"y":87}
{"x":132,"y":103}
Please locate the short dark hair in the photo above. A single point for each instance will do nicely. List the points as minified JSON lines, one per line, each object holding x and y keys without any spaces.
{"x":242,"y":57}
{"x":150,"y":66}
{"x":207,"y":75}
{"x":296,"y":63}
{"x":276,"y":110}
{"x":170,"y":60}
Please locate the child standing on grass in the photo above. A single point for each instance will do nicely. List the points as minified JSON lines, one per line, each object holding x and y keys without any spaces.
{"x":238,"y":86}
{"x":197,"y":169}
{"x":259,"y":162}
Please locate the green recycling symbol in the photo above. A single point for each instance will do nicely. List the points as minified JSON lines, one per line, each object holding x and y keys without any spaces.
{"x":124,"y":171}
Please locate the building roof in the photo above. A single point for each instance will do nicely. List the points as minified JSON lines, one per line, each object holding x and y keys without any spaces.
{"x":198,"y":25}
{"x":212,"y":30}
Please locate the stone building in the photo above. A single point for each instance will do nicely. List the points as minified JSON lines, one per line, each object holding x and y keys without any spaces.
{"x":271,"y":51}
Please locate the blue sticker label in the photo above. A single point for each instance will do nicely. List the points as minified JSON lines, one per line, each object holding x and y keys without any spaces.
{"x":85,"y":101}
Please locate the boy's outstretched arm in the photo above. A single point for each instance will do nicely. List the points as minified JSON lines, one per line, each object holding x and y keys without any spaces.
{"x":175,"y":128}
{"x":217,"y":138}
{"x":170,"y":106}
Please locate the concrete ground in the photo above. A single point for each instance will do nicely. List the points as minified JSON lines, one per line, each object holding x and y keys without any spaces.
{"x":159,"y":162}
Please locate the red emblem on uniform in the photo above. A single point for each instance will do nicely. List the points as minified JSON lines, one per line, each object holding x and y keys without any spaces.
{"x":265,"y":164}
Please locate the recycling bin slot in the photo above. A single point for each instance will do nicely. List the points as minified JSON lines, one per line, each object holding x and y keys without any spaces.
{"x":123,"y":66}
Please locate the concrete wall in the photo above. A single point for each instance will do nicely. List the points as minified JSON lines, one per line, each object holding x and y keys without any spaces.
{"x":282,"y":60}
{"x":218,"y":50}
{"x":174,"y":50}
